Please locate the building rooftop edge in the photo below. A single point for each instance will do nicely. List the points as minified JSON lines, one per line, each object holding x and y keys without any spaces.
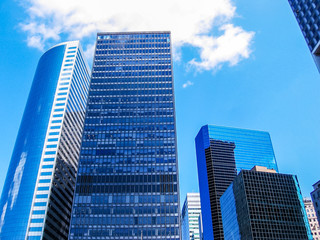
{"x":63,"y":43}
{"x":212,"y":125}
{"x":132,"y":32}
{"x":314,"y":185}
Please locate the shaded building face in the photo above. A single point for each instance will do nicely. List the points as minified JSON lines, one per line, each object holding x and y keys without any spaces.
{"x":221,"y":153}
{"x":315,"y":195}
{"x":127,"y":184}
{"x":307,"y":14}
{"x":38,"y":191}
{"x":261,"y":205}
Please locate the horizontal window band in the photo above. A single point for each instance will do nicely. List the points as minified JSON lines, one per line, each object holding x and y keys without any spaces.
{"x":50,"y":152}
{"x":44,"y":180}
{"x":37,"y":220}
{"x":35,"y":229}
{"x":46,"y":174}
{"x":40,"y":204}
{"x":55,"y":127}
{"x":47,"y":166}
{"x":42,"y":196}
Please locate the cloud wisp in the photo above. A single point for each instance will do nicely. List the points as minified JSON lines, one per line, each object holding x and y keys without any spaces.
{"x":187,"y":84}
{"x":191,"y":23}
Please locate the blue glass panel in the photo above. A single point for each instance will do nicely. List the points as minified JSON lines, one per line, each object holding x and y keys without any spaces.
{"x":48,"y":159}
{"x":42,"y":196}
{"x":47,"y":166}
{"x":50,"y":152}
{"x":38,"y":212}
{"x":46,"y":174}
{"x":52,"y":146}
{"x":45,"y":181}
{"x":56,"y":121}
{"x":34,"y":238}
{"x":53,"y":133}
{"x":40,"y":204}
{"x":53,"y":139}
{"x":37,"y":220}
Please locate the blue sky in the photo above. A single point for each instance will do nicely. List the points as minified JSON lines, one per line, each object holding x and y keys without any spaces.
{"x":237,"y":63}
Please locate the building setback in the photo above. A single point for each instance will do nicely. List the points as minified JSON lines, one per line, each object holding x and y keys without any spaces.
{"x":221,"y":153}
{"x":191,"y":211}
{"x":307,"y":14}
{"x":315,"y":195}
{"x":312,"y":218}
{"x":38,"y":191}
{"x":262,"y":204}
{"x":127,"y":185}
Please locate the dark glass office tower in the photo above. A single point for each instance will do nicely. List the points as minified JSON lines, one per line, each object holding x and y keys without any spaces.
{"x":263,"y":204}
{"x":221,"y":153}
{"x":307,"y":13}
{"x":127,"y":184}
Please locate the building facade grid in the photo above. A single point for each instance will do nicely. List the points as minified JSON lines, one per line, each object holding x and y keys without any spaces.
{"x":221,"y":153}
{"x":127,"y":186}
{"x":264,"y":206}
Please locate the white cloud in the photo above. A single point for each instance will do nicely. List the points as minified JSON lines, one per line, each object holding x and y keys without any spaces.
{"x":190,"y":22}
{"x":187,"y":84}
{"x":89,"y":52}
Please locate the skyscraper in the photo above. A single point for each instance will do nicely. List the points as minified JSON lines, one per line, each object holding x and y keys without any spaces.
{"x":263,"y":204}
{"x":221,"y":153}
{"x":315,"y":195}
{"x":307,"y":14}
{"x":312,"y":218}
{"x":191,"y":211}
{"x":127,"y":185}
{"x":38,"y":191}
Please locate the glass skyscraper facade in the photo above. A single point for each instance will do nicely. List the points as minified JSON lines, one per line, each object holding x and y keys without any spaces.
{"x":127,"y":184}
{"x":38,"y":191}
{"x":307,"y":13}
{"x":191,"y":212}
{"x":264,"y":205}
{"x":222,"y":152}
{"x":315,"y":195}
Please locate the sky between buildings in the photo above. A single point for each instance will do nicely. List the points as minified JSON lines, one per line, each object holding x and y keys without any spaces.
{"x":241,"y":63}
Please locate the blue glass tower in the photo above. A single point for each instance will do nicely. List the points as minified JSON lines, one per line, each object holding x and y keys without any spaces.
{"x":307,"y":13}
{"x":221,"y":153}
{"x":38,"y":191}
{"x":127,"y":185}
{"x":263,"y":204}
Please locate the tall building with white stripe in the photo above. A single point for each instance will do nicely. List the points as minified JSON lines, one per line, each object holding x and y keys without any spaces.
{"x":190,"y":217}
{"x":38,"y":191}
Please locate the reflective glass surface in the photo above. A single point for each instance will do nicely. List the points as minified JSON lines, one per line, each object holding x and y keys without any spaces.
{"x":262,"y":205}
{"x":308,"y":16}
{"x":229,"y":215}
{"x":221,"y":153}
{"x":22,"y":174}
{"x":127,"y":184}
{"x":307,"y":13}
